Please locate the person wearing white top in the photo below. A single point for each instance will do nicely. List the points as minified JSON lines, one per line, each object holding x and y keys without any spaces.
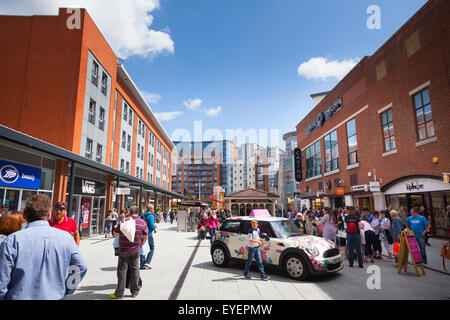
{"x":253,"y":250}
{"x":370,"y":239}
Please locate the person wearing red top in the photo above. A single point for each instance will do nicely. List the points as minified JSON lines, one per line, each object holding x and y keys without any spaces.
{"x":62,"y":222}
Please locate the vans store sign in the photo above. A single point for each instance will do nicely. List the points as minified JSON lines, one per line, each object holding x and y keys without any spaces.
{"x":324,"y":116}
{"x":19,"y":176}
{"x":89,"y":187}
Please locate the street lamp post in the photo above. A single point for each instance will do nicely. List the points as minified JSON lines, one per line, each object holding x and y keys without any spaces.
{"x":199,"y":188}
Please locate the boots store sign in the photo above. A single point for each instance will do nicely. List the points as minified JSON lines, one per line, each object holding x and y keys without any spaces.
{"x":89,"y":187}
{"x":19,"y":176}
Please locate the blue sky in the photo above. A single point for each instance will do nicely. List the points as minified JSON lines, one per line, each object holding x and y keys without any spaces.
{"x":244,"y":56}
{"x":236,"y":60}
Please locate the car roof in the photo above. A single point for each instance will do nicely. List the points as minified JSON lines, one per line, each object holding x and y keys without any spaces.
{"x":270,"y":219}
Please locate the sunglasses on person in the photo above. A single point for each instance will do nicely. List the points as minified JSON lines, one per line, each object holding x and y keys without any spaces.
{"x":60,"y":208}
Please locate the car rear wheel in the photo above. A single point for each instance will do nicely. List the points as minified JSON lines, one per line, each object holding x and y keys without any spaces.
{"x":295,"y":267}
{"x":219,"y":256}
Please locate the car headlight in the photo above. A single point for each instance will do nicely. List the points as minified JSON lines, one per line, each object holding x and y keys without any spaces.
{"x":312,"y":250}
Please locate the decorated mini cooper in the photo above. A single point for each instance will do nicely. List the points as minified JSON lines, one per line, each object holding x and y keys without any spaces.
{"x":284,"y":246}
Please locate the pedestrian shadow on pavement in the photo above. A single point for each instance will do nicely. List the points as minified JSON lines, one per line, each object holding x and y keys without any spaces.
{"x":89,"y":293}
{"x":168,"y":229}
{"x":109,"y":269}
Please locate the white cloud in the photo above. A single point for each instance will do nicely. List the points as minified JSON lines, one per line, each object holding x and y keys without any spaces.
{"x":167,"y":116}
{"x":124,"y":24}
{"x":152,"y":98}
{"x":193,"y":104}
{"x":213,"y":112}
{"x":321,"y":68}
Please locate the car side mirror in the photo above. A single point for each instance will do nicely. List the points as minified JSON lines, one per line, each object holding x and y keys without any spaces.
{"x":265,"y":236}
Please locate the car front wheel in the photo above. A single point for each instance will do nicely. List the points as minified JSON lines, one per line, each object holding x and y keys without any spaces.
{"x":219,"y":256}
{"x":295,"y":267}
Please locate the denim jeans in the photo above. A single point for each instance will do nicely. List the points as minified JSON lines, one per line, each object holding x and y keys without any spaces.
{"x":254,"y":252}
{"x":354,"y":242}
{"x":148,"y":259}
{"x":421,"y":242}
{"x":211,"y":234}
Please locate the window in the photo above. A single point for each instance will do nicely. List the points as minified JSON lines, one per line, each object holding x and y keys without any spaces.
{"x":94,"y":75}
{"x":139,"y":151}
{"x":142,"y":153}
{"x":313,"y":160}
{"x":137,"y":172}
{"x":423,"y":114}
{"x":352,"y":142}
{"x":124,"y":139}
{"x":89,"y":144}
{"x":128,"y":168}
{"x":91,"y":114}
{"x":104,"y":88}
{"x":139,"y":127}
{"x":388,"y":130}
{"x":129,"y":143}
{"x":122,"y":162}
{"x":101,"y":119}
{"x":99,"y":153}
{"x":130,"y":116}
{"x":331,"y":152}
{"x":231,"y":226}
{"x":125,"y":112}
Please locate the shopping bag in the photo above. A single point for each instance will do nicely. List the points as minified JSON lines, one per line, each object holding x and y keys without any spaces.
{"x":145,"y":249}
{"x":396,"y":249}
{"x":128,"y":228}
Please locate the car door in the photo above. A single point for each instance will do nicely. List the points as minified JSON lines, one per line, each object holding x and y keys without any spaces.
{"x":230,"y":234}
{"x":240,"y":242}
{"x":268,"y":251}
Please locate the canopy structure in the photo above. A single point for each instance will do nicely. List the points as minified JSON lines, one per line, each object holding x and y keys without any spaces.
{"x":260,"y":213}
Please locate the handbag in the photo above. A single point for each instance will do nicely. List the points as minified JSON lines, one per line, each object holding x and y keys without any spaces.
{"x":128,"y":228}
{"x":445,"y":253}
{"x":389,"y":236}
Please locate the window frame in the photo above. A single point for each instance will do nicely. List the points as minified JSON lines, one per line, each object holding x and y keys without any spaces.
{"x":101,"y":119}
{"x":349,"y":154}
{"x":88,"y":148}
{"x":104,"y":87}
{"x":94,"y":73}
{"x":330,"y":148}
{"x":92,"y":111}
{"x":312,"y":156}
{"x":97,"y":154}
{"x":387,"y":125}
{"x":422,"y":107}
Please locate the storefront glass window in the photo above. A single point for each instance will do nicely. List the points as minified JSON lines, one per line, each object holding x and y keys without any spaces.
{"x":25,"y":195}
{"x":439,"y":201}
{"x":46,"y":179}
{"x":12,"y":199}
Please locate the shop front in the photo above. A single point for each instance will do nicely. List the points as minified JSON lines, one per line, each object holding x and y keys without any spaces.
{"x":88,"y":206}
{"x":18,"y":182}
{"x":431,"y":192}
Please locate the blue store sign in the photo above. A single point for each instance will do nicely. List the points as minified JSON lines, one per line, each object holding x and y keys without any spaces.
{"x":19,"y":176}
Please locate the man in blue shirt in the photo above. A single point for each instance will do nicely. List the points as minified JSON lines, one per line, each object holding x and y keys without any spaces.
{"x":39,"y":262}
{"x":149,"y":218}
{"x":419,"y":225}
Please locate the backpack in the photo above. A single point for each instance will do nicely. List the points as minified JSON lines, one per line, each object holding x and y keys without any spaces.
{"x":352,"y":227}
{"x":147,"y":220}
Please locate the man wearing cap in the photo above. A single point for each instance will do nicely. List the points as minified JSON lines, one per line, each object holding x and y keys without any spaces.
{"x":60,"y":221}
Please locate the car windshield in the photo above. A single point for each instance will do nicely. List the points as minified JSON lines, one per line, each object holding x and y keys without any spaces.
{"x":285,"y":229}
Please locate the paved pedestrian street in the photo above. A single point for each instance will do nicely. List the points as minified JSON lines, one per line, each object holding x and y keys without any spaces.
{"x":182,"y":271}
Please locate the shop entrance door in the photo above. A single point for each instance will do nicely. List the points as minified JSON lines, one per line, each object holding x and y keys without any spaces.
{"x":415,"y":200}
{"x":85,"y":211}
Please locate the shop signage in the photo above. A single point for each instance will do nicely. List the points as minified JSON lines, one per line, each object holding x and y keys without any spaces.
{"x":324,"y":116}
{"x":310,"y":193}
{"x":19,"y":176}
{"x":340,"y":191}
{"x":409,"y":247}
{"x":414,"y":186}
{"x":120,"y":191}
{"x":89,"y":187}
{"x":361,"y":187}
{"x":374,"y":186}
{"x":418,"y":185}
{"x":298,"y":164}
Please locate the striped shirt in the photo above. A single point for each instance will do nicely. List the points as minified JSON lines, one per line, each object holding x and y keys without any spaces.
{"x":141,"y":231}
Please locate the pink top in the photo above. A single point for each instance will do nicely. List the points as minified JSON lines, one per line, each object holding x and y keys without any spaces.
{"x":212,"y":223}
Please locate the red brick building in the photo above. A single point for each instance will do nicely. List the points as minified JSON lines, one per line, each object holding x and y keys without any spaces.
{"x":65,"y":86}
{"x":388,"y":123}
